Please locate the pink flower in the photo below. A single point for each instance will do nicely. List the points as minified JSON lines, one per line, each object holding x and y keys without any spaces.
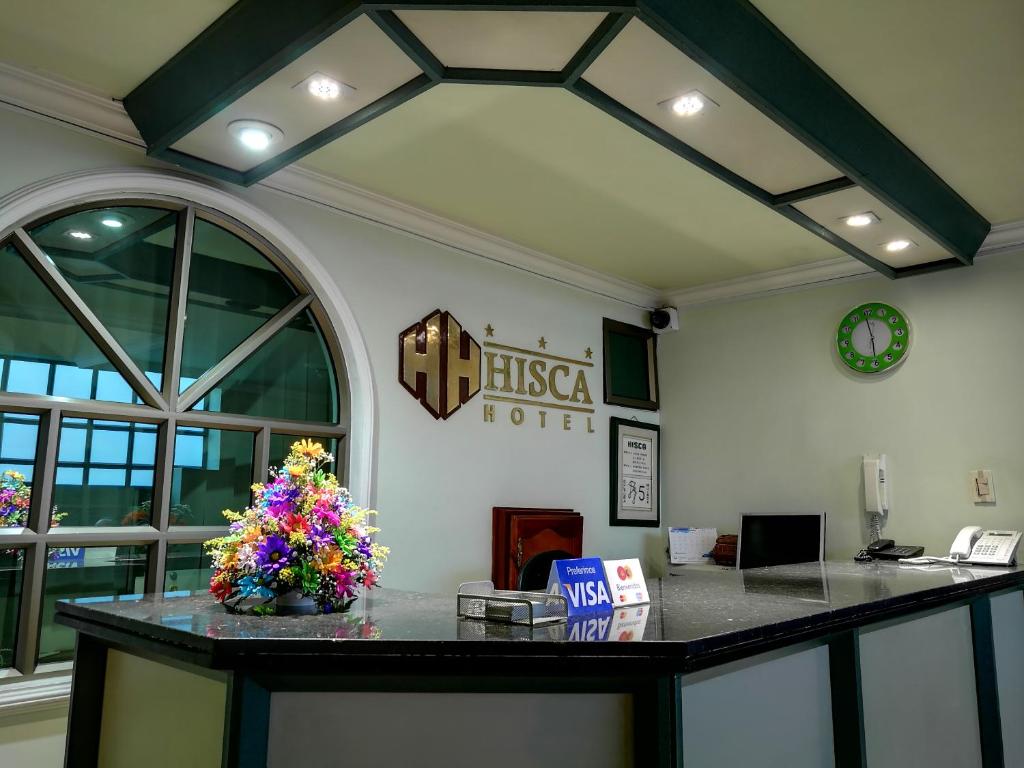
{"x":345,"y":584}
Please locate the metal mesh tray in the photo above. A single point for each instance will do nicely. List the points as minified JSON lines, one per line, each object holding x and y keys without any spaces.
{"x":480,"y":600}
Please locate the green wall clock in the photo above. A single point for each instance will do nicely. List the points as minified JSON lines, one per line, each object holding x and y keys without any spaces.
{"x":873,"y":337}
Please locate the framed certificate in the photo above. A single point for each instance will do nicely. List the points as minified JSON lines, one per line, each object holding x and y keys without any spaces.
{"x":635,"y":491}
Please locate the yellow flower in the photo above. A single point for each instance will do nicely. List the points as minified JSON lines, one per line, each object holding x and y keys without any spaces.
{"x":308,"y":448}
{"x":294,"y":470}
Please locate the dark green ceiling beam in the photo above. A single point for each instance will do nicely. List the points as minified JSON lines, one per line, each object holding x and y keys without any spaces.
{"x":251,"y":41}
{"x":641,"y":125}
{"x":503,"y":5}
{"x":599,"y":39}
{"x":815,"y":190}
{"x":743,"y":49}
{"x":411,"y":46}
{"x":385,"y":103}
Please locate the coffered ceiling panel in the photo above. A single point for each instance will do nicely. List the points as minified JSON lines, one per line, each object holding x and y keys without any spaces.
{"x":543,"y":168}
{"x":944,"y":76}
{"x":832,"y":211}
{"x":502,"y":39}
{"x":641,"y":70}
{"x":359,"y":55}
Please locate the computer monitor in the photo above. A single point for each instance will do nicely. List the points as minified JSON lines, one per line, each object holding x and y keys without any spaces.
{"x":776,"y":538}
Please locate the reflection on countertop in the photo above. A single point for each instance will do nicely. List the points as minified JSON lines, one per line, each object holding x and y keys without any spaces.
{"x":703,"y":613}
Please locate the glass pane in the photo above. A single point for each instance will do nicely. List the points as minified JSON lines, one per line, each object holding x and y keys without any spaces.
{"x":12,"y":563}
{"x":280,"y":445}
{"x":45,"y":350}
{"x":120,"y":261}
{"x":188,"y":568}
{"x":85,"y":572}
{"x":233,"y":289}
{"x":212,"y":472}
{"x":289,"y":377}
{"x":104,"y":472}
{"x":18,"y":435}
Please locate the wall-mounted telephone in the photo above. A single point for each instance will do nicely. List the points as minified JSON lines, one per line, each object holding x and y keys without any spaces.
{"x":876,"y":493}
{"x":979,"y":547}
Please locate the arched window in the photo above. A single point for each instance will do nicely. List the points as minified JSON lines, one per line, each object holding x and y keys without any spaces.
{"x":155,"y":358}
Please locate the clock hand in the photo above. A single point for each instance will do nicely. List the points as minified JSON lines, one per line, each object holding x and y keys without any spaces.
{"x":872,"y":334}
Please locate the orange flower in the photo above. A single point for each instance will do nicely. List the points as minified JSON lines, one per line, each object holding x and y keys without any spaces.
{"x":308,"y":448}
{"x":327,"y":560}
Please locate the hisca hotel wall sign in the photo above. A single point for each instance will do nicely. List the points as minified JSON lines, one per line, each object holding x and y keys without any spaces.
{"x":439,"y":363}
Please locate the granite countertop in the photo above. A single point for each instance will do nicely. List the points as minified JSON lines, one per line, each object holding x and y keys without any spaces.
{"x":695,"y":620}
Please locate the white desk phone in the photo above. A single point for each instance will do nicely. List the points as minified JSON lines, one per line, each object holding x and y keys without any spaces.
{"x":979,"y":547}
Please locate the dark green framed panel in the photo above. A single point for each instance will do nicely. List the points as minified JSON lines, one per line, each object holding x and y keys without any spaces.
{"x":990,"y":724}
{"x":847,"y":700}
{"x":630,"y":365}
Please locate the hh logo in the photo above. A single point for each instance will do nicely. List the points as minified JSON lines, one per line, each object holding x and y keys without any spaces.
{"x":439,"y":363}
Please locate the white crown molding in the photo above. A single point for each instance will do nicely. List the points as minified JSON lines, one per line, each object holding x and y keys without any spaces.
{"x":74,"y":106}
{"x":776,"y":281}
{"x":34,"y":694}
{"x":66,"y":103}
{"x":1003,"y":238}
{"x":323,"y":190}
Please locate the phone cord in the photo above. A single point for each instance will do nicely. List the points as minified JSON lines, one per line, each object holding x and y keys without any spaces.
{"x":874,"y":527}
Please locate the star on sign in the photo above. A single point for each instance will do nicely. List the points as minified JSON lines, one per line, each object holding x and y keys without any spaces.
{"x":589,"y":353}
{"x":542,"y":342}
{"x":489,"y":330}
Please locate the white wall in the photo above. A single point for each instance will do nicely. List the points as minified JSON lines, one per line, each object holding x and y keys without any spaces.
{"x":34,"y":738}
{"x":436,"y":480}
{"x":759,"y":414}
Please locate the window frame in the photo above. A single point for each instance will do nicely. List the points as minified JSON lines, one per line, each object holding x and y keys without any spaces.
{"x":165,"y":408}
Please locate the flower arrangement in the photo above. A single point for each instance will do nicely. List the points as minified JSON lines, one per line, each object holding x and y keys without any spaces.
{"x":303,"y":535}
{"x":15,"y":498}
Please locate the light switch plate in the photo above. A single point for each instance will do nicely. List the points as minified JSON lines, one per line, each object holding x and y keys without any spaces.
{"x":983,"y":489}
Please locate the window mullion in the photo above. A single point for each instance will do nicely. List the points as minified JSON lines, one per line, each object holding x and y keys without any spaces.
{"x":163,"y":479}
{"x":177,"y":305}
{"x":239,"y":354}
{"x":34,"y":578}
{"x":261,"y":456}
{"x":86,"y":318}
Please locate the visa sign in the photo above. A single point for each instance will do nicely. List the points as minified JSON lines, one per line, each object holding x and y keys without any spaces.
{"x":582,"y":583}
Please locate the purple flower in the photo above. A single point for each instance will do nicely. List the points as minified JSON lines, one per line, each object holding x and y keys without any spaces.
{"x":364,"y":547}
{"x":319,"y":537}
{"x":272,"y":555}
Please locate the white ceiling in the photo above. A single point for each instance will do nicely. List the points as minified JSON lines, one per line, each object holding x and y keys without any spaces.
{"x":544,"y":169}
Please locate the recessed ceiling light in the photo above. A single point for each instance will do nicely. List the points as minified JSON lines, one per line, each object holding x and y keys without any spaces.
{"x":79,"y":234}
{"x":895,"y":246}
{"x":255,"y":135}
{"x":324,"y":87}
{"x":861,"y":219}
{"x":689,"y":104}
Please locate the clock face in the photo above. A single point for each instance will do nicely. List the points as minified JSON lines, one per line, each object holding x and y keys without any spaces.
{"x":873,"y":338}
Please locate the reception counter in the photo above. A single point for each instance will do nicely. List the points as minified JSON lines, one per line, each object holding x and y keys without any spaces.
{"x":813,"y":665}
